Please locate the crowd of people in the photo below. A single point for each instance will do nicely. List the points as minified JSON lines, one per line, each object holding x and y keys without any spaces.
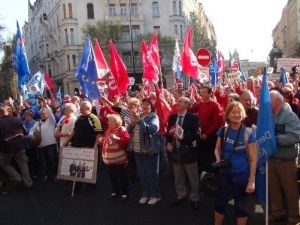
{"x":207,"y":127}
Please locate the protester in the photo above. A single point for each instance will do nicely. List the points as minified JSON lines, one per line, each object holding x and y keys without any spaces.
{"x":145,"y":143}
{"x":12,"y":149}
{"x":47,"y":149}
{"x":235,"y":145}
{"x":184,"y":152}
{"x":65,"y":125}
{"x":76,"y":101}
{"x":282,"y":171}
{"x":114,"y":156}
{"x":248,"y":101}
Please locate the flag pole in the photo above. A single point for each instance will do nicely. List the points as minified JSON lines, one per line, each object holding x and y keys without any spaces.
{"x":267,"y":196}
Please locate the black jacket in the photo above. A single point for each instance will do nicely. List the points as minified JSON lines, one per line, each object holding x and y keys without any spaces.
{"x":188,"y":151}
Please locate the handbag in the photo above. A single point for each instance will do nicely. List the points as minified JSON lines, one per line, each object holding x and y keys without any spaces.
{"x":36,"y":138}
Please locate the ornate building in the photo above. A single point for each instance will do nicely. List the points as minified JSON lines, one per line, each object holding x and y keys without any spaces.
{"x":54,"y":40}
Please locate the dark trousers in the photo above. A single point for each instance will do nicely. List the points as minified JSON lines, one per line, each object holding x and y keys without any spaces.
{"x":118,"y":178}
{"x":48,"y":160}
{"x":32,"y":160}
{"x":207,"y":156}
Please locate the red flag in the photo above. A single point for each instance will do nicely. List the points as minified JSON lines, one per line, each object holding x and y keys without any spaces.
{"x":221,"y":65}
{"x":112,"y":87}
{"x":49,"y":85}
{"x":118,"y":69}
{"x":102,"y":67}
{"x":189,"y":63}
{"x":163,"y":110}
{"x":154,"y":50}
{"x":151,"y":70}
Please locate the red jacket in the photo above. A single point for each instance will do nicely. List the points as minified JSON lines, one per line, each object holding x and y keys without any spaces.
{"x":210,"y":117}
{"x":113,"y":152}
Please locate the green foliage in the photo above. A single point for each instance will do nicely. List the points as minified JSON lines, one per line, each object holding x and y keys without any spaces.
{"x":103,"y":31}
{"x":162,"y":40}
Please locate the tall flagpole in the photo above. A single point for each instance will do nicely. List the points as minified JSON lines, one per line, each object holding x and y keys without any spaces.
{"x":267,"y":195}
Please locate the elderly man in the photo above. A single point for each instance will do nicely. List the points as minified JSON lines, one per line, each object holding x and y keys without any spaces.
{"x":182,"y":144}
{"x":248,"y":101}
{"x":282,"y":170}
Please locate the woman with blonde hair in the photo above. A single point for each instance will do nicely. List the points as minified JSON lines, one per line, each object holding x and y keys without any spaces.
{"x":235,"y":148}
{"x":114,"y":156}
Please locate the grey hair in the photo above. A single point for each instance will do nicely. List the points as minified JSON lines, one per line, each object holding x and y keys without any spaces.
{"x":186,"y":100}
{"x":70,"y":106}
{"x":248,"y":92}
{"x":277,"y":95}
{"x":87,"y":104}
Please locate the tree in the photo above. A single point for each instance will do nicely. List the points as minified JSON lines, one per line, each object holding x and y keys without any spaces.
{"x":200,"y":36}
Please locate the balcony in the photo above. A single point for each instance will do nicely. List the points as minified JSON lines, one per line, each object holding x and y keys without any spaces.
{"x":176,"y":18}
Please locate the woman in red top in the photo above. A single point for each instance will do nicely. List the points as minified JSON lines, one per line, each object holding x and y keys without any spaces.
{"x":114,"y":156}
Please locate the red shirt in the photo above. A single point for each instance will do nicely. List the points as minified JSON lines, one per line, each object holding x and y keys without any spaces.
{"x":210,"y":117}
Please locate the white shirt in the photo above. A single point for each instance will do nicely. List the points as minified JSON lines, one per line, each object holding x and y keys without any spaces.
{"x":65,"y":128}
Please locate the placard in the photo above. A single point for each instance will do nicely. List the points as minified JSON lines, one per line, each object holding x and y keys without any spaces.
{"x":78,"y":164}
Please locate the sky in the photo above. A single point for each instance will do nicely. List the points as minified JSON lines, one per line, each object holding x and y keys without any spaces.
{"x":245,"y":25}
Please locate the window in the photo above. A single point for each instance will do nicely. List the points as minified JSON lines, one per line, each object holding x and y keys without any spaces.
{"x":134,"y":9}
{"x":125,"y":33}
{"x":135,"y":31}
{"x":156,"y":29}
{"x":74,"y":61}
{"x":175,"y":30}
{"x":181,"y":32}
{"x":112,"y":10}
{"x":90,"y":11}
{"x":123,"y":10}
{"x":72,"y":36}
{"x":155,"y":9}
{"x":180,"y":8}
{"x":68,"y":62}
{"x":64,"y":10}
{"x":126,"y":56}
{"x":49,"y":71}
{"x":174,"y":8}
{"x":67,"y":37}
{"x":70,"y":10}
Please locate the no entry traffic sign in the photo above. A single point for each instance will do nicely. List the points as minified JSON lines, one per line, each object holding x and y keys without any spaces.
{"x":203,"y":56}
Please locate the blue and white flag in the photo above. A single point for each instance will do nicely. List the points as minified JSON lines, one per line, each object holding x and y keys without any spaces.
{"x":265,"y":136}
{"x":35,"y":85}
{"x":242,"y":73}
{"x":176,"y":65}
{"x":20,"y":63}
{"x":214,"y":69}
{"x":58,"y":95}
{"x":87,"y":71}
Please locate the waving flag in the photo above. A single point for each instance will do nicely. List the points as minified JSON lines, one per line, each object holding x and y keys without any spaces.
{"x":102,"y":67}
{"x":150,"y":68}
{"x":214,"y":69}
{"x":49,"y":85}
{"x":189,"y":63}
{"x":163,"y":110}
{"x":58,"y":95}
{"x":35,"y":85}
{"x":283,"y":79}
{"x":153,"y":49}
{"x":176,"y":65}
{"x":221,"y":64}
{"x":20,"y":63}
{"x":118,"y":69}
{"x":87,"y":71}
{"x":243,"y":75}
{"x":265,"y":136}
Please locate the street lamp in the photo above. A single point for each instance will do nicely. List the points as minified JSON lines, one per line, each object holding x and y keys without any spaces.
{"x":131,"y":40}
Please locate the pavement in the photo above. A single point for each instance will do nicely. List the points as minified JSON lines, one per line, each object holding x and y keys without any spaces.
{"x":48,"y":203}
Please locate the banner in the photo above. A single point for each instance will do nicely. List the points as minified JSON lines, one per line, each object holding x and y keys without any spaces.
{"x":78,"y":164}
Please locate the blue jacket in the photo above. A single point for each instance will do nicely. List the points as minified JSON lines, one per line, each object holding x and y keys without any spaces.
{"x":149,"y":135}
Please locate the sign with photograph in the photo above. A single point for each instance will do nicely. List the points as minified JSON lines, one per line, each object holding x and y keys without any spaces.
{"x":78,"y":164}
{"x":233,"y":76}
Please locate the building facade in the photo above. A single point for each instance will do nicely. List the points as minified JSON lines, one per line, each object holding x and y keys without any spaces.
{"x":54,"y":40}
{"x":286,"y":34}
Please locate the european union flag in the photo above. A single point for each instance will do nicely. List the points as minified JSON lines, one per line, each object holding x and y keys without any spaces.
{"x":20,"y":63}
{"x":87,"y":71}
{"x":283,"y":79}
{"x":265,"y":136}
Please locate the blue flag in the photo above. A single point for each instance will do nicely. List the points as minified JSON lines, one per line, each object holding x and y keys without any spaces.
{"x":58,"y":95}
{"x":283,"y":79}
{"x":213,"y":69}
{"x":243,"y":75}
{"x":20,"y":63}
{"x":35,"y":85}
{"x":265,"y":135}
{"x":87,"y":71}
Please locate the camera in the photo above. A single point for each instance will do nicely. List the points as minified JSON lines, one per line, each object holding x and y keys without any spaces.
{"x":223,"y":164}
